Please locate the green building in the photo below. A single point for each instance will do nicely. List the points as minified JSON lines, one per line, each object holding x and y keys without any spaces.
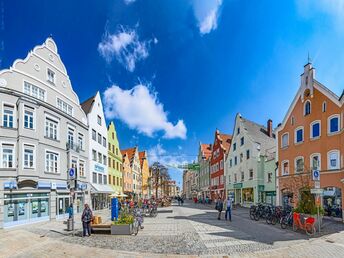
{"x":114,"y":160}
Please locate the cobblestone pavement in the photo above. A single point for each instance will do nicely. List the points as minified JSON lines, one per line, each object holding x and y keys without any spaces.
{"x":189,"y":230}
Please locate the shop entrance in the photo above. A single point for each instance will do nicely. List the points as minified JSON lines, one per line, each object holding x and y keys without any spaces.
{"x":62,"y":204}
{"x":332,"y":202}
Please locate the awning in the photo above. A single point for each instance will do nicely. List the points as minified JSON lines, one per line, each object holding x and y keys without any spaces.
{"x":43,"y":185}
{"x":61,"y":185}
{"x":10,"y":185}
{"x":97,"y":188}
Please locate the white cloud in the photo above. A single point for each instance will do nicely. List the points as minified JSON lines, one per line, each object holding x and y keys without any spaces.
{"x":207,"y":14}
{"x":129,"y":1}
{"x":159,"y":154}
{"x":140,"y":109}
{"x":125,"y":46}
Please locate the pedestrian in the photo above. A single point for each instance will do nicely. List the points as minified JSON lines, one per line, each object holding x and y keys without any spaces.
{"x":86,"y":218}
{"x":182,"y":201}
{"x":178,"y":198}
{"x":70,"y":211}
{"x":219,"y":207}
{"x":228,"y":209}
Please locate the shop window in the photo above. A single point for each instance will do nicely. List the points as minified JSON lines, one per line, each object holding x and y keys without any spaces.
{"x":315,"y":129}
{"x":248,"y":195}
{"x":333,"y":160}
{"x":333,"y":124}
{"x":285,"y":140}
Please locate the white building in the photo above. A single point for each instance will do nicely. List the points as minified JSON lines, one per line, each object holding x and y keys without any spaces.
{"x":43,"y":133}
{"x":98,"y":153}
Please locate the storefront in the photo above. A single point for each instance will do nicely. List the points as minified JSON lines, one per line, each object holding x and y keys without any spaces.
{"x":269,"y":197}
{"x":23,"y":208}
{"x":247,"y":196}
{"x":332,"y":202}
{"x":100,"y":196}
{"x":287,"y":198}
{"x":237,"y":193}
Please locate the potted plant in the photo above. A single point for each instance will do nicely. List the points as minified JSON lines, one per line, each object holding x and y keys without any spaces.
{"x":123,"y":226}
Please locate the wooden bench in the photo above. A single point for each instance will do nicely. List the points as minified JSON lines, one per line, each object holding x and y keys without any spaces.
{"x":104,"y":227}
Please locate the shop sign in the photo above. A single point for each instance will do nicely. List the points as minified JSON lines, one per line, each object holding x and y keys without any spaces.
{"x":270,"y":193}
{"x":317,"y":191}
{"x":260,"y":188}
{"x":98,"y":168}
{"x":237,"y":185}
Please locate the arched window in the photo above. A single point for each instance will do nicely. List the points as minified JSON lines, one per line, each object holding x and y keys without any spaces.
{"x":307,"y":108}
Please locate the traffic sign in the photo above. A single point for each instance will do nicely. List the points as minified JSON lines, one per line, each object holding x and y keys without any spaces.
{"x":317,"y":184}
{"x":316,"y":175}
{"x":317,"y":191}
{"x":71,"y":172}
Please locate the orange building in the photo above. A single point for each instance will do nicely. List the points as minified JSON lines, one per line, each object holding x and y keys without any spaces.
{"x":145,"y":174}
{"x":310,"y":139}
{"x":127,"y":174}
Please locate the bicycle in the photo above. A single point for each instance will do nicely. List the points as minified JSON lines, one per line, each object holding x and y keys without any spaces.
{"x":287,"y":220}
{"x":304,"y":223}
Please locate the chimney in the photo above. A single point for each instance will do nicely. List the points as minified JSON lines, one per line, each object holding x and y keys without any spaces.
{"x":269,"y":127}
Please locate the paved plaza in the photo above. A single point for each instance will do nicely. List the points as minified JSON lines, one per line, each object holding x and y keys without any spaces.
{"x":191,"y":230}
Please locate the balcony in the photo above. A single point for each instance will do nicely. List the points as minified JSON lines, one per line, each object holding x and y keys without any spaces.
{"x":73,"y":146}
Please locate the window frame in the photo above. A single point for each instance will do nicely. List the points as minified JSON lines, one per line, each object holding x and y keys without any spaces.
{"x":57,"y":121}
{"x":311,"y":129}
{"x":286,"y":146}
{"x":6,"y":105}
{"x":295,"y":134}
{"x":39,"y":91}
{"x":295,"y":165}
{"x":33,"y":111}
{"x":305,"y":106}
{"x":282,"y":168}
{"x":33,"y":148}
{"x":12,"y":146}
{"x":57,"y":161}
{"x":329,"y":159}
{"x":329,"y":124}
{"x":53,"y":81}
{"x":311,"y":160}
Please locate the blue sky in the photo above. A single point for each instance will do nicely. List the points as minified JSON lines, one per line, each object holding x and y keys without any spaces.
{"x":173,"y":71}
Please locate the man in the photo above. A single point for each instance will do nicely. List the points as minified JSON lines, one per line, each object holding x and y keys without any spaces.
{"x":228,"y":209}
{"x":86,"y":218}
{"x":219,"y":207}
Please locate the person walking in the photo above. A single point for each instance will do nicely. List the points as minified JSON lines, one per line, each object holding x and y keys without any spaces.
{"x":228,"y":213}
{"x":86,"y":218}
{"x":182,"y":201}
{"x":70,"y":211}
{"x":219,"y":207}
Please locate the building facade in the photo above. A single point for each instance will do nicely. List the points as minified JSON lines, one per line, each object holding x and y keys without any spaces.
{"x":204,"y":155}
{"x":249,"y":166}
{"x":98,"y":155}
{"x":310,"y":138}
{"x":127,"y":175}
{"x":43,"y":134}
{"x":145,"y":174}
{"x":221,"y":145}
{"x":115,"y":160}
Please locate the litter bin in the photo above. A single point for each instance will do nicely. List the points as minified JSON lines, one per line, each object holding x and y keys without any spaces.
{"x":70,"y":224}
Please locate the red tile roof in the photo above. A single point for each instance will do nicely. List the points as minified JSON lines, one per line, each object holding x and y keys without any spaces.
{"x":130,"y":153}
{"x":206,"y":150}
{"x":226,"y":141}
{"x":142,"y":156}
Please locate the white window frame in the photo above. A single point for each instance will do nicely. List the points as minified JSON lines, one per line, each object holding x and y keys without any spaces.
{"x":295,"y":134}
{"x":54,"y":76}
{"x":13,"y":106}
{"x":329,"y":161}
{"x":82,"y":137}
{"x":39,"y":90}
{"x":64,"y":103}
{"x":311,"y":160}
{"x":83,"y":162}
{"x":329,"y":124}
{"x":74,"y":132}
{"x":57,"y":127}
{"x":33,"y":148}
{"x":57,"y":161}
{"x":282,"y":168}
{"x":295,"y":164}
{"x":304,"y":108}
{"x":285,"y":146}
{"x":311,"y":129}
{"x":33,"y":110}
{"x":14,"y":163}
{"x":324,"y":106}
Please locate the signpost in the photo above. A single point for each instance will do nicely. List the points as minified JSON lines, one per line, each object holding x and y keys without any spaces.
{"x":73,"y":185}
{"x":318,"y":193}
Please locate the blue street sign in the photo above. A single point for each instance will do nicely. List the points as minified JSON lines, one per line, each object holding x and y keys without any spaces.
{"x":71,"y":172}
{"x":316,"y":175}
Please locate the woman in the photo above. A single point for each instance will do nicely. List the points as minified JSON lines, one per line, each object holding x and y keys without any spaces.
{"x":86,"y":218}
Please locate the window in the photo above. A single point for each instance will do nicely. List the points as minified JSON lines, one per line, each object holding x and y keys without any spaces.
{"x":81,"y":141}
{"x":307,"y":108}
{"x":109,"y":161}
{"x":8,"y":156}
{"x":117,"y":166}
{"x":100,"y":158}
{"x":94,"y":155}
{"x":113,"y":135}
{"x":315,"y":129}
{"x":70,"y":137}
{"x":242,"y":176}
{"x":63,"y":106}
{"x":333,"y":124}
{"x":285,"y":140}
{"x":28,"y":118}
{"x":51,"y":128}
{"x":94,"y":177}
{"x":299,"y":135}
{"x":324,"y":106}
{"x":299,"y":164}
{"x":8,"y":117}
{"x":235,"y":160}
{"x":117,"y":151}
{"x":114,"y":180}
{"x":247,"y":154}
{"x":269,"y":177}
{"x":242,"y":141}
{"x":113,"y":163}
{"x":51,"y":76}
{"x":94,"y":135}
{"x":238,"y":130}
{"x":109,"y":176}
{"x":28,"y":156}
{"x":104,"y":179}
{"x":109,"y":146}
{"x":99,"y":138}
{"x":241,"y":157}
{"x":82,"y":168}
{"x":34,"y":91}
{"x":104,"y":160}
{"x":285,"y":168}
{"x":230,"y":163}
{"x":100,"y":179}
{"x":251,"y":174}
{"x":315,"y":162}
{"x":104,"y":142}
{"x":234,"y":146}
{"x":333,"y":160}
{"x":221,"y":164}
{"x":51,"y":162}
{"x":235,"y":178}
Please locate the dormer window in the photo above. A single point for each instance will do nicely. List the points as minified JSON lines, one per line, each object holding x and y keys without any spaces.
{"x":51,"y":76}
{"x":307,"y":108}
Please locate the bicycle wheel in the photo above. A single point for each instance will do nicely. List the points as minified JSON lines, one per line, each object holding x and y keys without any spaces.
{"x":274,"y":220}
{"x":284,"y":223}
{"x":268,"y":219}
{"x":251,"y":215}
{"x":295,"y":227}
{"x":136,"y":227}
{"x":256,"y":216}
{"x":310,"y":229}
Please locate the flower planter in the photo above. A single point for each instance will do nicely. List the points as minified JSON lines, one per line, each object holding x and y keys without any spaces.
{"x":125,"y":229}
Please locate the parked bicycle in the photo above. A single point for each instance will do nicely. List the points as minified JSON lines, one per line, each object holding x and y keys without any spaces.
{"x":138,"y":220}
{"x":304,"y":223}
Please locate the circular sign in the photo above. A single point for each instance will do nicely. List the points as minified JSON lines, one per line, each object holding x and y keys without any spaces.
{"x":316,"y":173}
{"x":71,"y":172}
